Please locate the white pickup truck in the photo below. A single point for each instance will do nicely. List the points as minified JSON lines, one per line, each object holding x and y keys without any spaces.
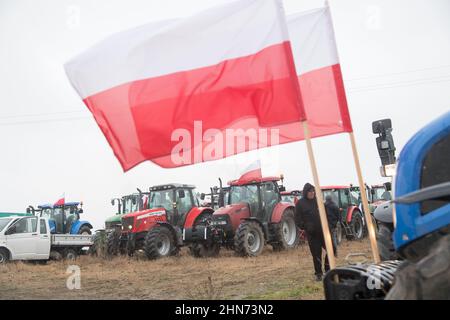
{"x":29,"y":238}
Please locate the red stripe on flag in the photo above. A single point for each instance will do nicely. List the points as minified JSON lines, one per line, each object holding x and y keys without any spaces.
{"x":261,"y":86}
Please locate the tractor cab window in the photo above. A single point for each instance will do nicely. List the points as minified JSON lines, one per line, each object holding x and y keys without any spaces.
{"x":344,"y":199}
{"x":355,"y":198}
{"x":161,"y":199}
{"x":247,"y":194}
{"x":270,"y":198}
{"x":436,"y":170}
{"x":184,"y":203}
{"x":130,"y":204}
{"x":47,"y":213}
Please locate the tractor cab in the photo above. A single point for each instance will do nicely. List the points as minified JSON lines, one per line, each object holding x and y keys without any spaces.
{"x":348,"y":199}
{"x":134,"y":202}
{"x":65,"y":218}
{"x":253,"y":216}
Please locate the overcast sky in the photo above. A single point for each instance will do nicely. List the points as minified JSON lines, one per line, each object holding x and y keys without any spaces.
{"x":395,"y":59}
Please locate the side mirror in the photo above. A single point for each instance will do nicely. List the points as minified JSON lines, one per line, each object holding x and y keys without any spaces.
{"x":80,"y":210}
{"x":28,"y":210}
{"x":202,"y":196}
{"x":372,"y":191}
{"x":181,"y":193}
{"x":346,"y":192}
{"x":113,"y":202}
{"x":282,"y":188}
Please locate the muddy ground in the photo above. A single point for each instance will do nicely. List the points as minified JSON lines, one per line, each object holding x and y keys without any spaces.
{"x":273,"y":275}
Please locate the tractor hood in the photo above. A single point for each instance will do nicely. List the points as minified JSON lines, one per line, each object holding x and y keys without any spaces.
{"x":114,"y":218}
{"x":232,"y":209}
{"x":145,"y":213}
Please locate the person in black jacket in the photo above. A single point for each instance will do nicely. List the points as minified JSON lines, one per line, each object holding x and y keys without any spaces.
{"x":307,"y":216}
{"x":333,"y":217}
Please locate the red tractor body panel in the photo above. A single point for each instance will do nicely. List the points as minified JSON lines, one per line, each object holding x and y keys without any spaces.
{"x":236,"y":213}
{"x":194,"y":213}
{"x":146,"y":219}
{"x":350,"y":211}
{"x":278,"y":211}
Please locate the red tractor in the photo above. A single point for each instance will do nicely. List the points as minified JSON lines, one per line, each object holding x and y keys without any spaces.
{"x":254,"y":215}
{"x":291,"y":196}
{"x":352,"y":222}
{"x":159,"y":230}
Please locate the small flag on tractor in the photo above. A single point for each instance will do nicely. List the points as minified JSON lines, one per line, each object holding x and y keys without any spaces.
{"x":61,"y":201}
{"x":252,"y":172}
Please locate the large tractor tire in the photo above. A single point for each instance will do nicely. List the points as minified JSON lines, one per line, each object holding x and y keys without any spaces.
{"x":160,"y":242}
{"x":249,"y":239}
{"x":113,"y":244}
{"x":357,"y":225}
{"x":85,"y":230}
{"x":339,"y":233}
{"x":427,"y":279}
{"x":385,"y":243}
{"x":4,"y":256}
{"x":286,"y":232}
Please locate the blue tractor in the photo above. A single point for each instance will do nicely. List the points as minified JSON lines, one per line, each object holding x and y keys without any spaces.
{"x":421,"y":230}
{"x":65,"y":218}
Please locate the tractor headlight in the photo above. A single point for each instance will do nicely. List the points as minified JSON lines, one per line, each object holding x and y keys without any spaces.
{"x":130,"y":227}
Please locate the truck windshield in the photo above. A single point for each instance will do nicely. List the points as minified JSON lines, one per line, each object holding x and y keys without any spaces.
{"x":161,"y":199}
{"x":3,"y":223}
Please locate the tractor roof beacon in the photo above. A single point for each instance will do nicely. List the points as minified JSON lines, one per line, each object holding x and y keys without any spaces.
{"x":422,"y":230}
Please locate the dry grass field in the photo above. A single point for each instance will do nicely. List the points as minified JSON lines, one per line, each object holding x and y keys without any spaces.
{"x":273,"y":275}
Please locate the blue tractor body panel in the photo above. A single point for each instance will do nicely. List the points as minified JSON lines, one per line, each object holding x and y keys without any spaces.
{"x":410,"y":223}
{"x":76,"y":226}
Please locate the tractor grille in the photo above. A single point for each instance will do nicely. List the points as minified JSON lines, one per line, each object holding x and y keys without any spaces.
{"x":127,"y":222}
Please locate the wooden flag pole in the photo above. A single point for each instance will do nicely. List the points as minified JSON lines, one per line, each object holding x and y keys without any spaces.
{"x":319,"y":198}
{"x":365,"y":202}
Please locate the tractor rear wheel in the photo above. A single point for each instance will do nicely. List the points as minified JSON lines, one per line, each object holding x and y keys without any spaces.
{"x":249,"y":239}
{"x":85,"y":230}
{"x":160,"y":242}
{"x":204,"y":250}
{"x":357,"y":225}
{"x":286,"y":232}
{"x":4,"y":256}
{"x":113,"y":244}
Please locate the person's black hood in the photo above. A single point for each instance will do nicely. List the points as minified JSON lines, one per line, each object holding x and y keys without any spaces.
{"x":308,"y":187}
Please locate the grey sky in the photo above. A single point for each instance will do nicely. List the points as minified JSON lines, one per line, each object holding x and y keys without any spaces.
{"x":395,"y":58}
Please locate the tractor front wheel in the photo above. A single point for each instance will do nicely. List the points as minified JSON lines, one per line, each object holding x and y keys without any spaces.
{"x":357,"y":225}
{"x":249,"y":239}
{"x":160,"y":242}
{"x":286,"y":232}
{"x":113,"y":244}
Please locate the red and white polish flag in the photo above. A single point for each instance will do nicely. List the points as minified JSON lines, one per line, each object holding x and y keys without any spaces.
{"x":61,"y":201}
{"x":252,"y":172}
{"x":228,"y":67}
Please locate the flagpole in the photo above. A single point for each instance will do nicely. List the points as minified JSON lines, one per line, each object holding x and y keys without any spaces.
{"x":365,"y":202}
{"x":319,"y":198}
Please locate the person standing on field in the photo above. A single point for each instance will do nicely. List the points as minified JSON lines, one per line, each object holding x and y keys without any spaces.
{"x":308,"y":218}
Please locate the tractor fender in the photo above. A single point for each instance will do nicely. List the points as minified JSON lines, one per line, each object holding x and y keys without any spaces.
{"x":77,"y":226}
{"x":278,"y":211}
{"x":177,"y":233}
{"x":194,"y":213}
{"x":350,"y":212}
